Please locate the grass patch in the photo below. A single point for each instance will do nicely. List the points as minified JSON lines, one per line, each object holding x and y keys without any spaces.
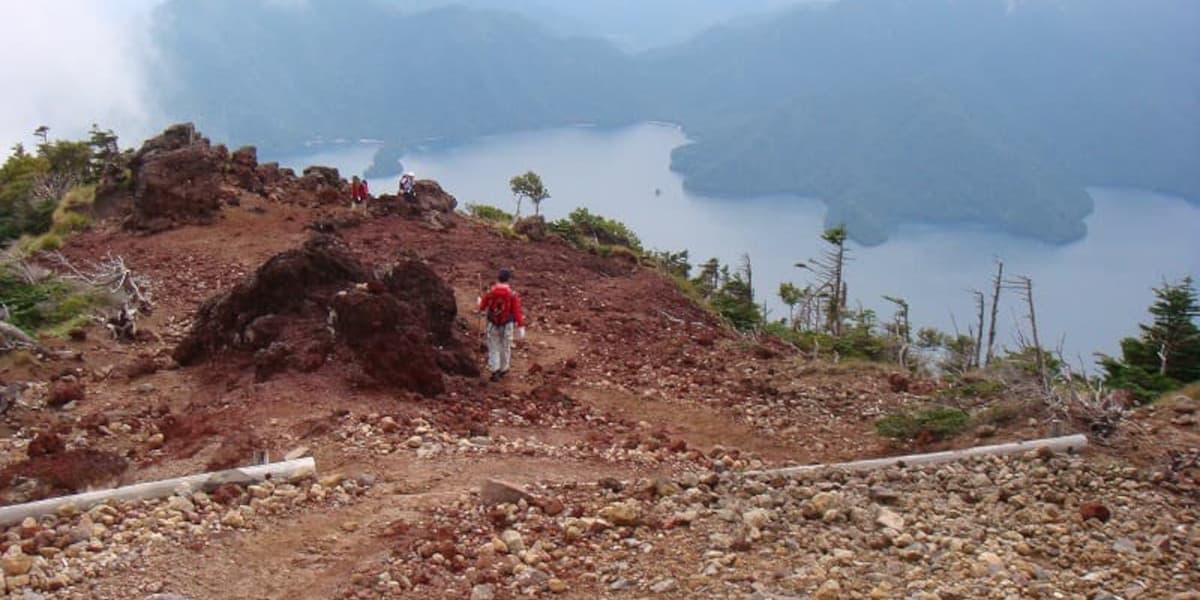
{"x":51,"y":306}
{"x":1000,"y":414}
{"x":973,"y":387}
{"x":29,"y":245}
{"x":69,"y":222}
{"x":936,"y":422}
{"x":491,"y":214}
{"x":1192,"y":390}
{"x":64,"y":328}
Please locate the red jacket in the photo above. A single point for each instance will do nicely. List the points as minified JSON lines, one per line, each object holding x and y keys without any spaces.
{"x":503,"y":289}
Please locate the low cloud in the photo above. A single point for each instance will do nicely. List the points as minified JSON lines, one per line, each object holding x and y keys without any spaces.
{"x":70,"y":63}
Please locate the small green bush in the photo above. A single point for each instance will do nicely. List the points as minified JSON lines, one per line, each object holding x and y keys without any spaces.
{"x":69,"y":222}
{"x":47,"y":241}
{"x":583,"y":229}
{"x":491,"y":214}
{"x":1001,"y":413}
{"x":974,"y":387}
{"x":78,"y":198}
{"x":27,"y":245}
{"x":51,"y":306}
{"x":938,"y":422}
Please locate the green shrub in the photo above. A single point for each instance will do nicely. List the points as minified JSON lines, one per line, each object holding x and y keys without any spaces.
{"x":47,"y":241}
{"x":491,"y":214}
{"x":52,"y":306}
{"x":69,"y":222}
{"x":584,"y":229}
{"x":1001,"y":413}
{"x":78,"y":198}
{"x":673,"y":263}
{"x":937,"y":422}
{"x":610,"y":251}
{"x":71,"y":214}
{"x":27,"y":245}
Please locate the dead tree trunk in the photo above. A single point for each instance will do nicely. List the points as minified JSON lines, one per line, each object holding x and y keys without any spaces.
{"x":839,"y":298}
{"x":902,"y":328}
{"x":1024,"y":286}
{"x":13,"y":336}
{"x":980,"y":305}
{"x":996,"y":284}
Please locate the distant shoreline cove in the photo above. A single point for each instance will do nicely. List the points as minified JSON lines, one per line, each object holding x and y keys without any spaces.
{"x":387,"y":162}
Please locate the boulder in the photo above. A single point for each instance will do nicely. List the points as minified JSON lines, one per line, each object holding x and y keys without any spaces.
{"x":177,"y":178}
{"x":431,"y":197}
{"x":494,"y":491}
{"x":533,"y":228}
{"x":302,"y":305}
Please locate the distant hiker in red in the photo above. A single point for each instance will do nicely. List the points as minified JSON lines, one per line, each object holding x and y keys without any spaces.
{"x":502,"y":306}
{"x":358,"y":193}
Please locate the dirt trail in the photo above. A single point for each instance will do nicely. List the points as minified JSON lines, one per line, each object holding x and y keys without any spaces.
{"x":320,"y":551}
{"x":700,"y":426}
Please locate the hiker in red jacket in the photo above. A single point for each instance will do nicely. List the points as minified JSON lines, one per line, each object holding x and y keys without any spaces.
{"x":502,"y":306}
{"x":358,"y":193}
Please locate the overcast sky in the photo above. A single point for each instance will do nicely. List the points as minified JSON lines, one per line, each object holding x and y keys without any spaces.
{"x":69,"y":63}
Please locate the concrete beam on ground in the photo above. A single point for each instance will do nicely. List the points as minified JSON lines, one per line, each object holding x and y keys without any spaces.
{"x":280,"y":471}
{"x":1070,"y":443}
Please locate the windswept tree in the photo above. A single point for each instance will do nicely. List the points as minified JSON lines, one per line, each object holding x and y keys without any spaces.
{"x":105,"y":150}
{"x":1167,"y":354}
{"x":830,"y":269}
{"x":791,"y":295}
{"x":528,"y":185}
{"x":708,"y":281}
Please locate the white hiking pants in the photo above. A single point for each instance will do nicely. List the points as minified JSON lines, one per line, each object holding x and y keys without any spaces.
{"x":499,"y":342}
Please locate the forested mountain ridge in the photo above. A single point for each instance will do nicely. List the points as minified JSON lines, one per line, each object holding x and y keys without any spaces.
{"x":277,"y":75}
{"x":992,"y":112}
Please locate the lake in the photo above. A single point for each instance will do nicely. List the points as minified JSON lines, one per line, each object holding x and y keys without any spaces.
{"x":1089,"y":293}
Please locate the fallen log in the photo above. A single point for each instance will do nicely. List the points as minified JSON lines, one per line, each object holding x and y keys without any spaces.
{"x":1070,"y":443}
{"x":282,"y":471}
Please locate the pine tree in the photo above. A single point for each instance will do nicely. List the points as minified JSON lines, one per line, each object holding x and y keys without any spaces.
{"x":1167,"y":354}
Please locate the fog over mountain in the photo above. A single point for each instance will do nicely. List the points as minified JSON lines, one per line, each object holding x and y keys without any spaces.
{"x":632,"y":25}
{"x":993,"y":112}
{"x":69,"y":63}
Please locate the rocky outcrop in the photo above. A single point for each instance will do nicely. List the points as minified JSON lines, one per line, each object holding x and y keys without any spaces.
{"x":430,"y":204}
{"x":307,"y":306}
{"x":533,"y":227}
{"x":180,"y":178}
{"x":177,"y":178}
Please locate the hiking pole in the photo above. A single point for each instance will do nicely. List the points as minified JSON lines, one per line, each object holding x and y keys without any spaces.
{"x":482,"y":314}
